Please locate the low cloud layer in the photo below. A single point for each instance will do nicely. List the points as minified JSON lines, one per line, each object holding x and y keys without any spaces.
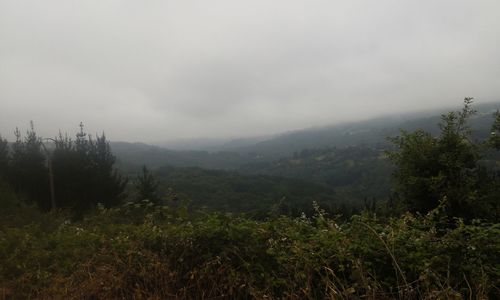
{"x":158,"y":70}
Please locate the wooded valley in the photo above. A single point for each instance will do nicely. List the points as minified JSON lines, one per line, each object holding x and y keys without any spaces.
{"x":375,"y":214}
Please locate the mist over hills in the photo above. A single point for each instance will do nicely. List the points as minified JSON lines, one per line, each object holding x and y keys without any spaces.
{"x":349,"y":160}
{"x":213,"y":144}
{"x":235,"y":153}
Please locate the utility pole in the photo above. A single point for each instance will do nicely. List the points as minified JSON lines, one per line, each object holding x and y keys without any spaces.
{"x":51,"y":177}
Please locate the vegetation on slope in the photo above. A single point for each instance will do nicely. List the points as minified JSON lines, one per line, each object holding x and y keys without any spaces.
{"x":367,"y":134}
{"x":438,"y":240}
{"x":232,"y":192}
{"x":146,"y":251}
{"x":354,"y":173}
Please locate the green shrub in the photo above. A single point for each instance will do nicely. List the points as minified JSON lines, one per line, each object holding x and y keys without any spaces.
{"x":146,"y":251}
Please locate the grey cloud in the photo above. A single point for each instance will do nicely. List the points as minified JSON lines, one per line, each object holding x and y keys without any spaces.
{"x":156,"y":70}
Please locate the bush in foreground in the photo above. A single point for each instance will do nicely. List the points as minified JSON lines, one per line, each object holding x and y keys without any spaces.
{"x":146,"y":251}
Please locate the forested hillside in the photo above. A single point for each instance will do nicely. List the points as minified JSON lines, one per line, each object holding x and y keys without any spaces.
{"x":350,"y":160}
{"x":232,"y":155}
{"x":131,"y":156}
{"x":257,"y":194}
{"x":354,"y":172}
{"x":416,"y":220}
{"x":373,"y":132}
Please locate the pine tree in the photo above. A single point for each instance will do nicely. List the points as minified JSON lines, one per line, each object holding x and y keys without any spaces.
{"x":69,"y":172}
{"x":110,"y":184}
{"x":28,"y":170}
{"x":85,"y":172}
{"x":147,"y":186}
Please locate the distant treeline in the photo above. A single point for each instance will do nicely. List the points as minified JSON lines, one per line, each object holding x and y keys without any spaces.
{"x":429,"y":169}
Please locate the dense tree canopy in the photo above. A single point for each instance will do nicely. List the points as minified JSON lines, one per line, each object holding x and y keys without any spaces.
{"x":27,"y":170}
{"x":83,"y":170}
{"x":431,"y":169}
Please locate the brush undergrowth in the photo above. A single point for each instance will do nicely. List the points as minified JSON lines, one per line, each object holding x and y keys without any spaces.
{"x":141,"y":251}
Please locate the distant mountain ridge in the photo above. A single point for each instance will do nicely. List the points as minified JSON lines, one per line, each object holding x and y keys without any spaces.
{"x":369,"y":132}
{"x":236,"y":153}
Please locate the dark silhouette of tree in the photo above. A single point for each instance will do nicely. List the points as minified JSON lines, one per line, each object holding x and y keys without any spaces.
{"x":28,"y":171}
{"x":495,"y":132}
{"x":430,"y":169}
{"x":4,"y":157}
{"x":84,"y":172}
{"x":70,"y":172}
{"x":489,"y":177}
{"x":147,"y":186}
{"x":109,"y":184}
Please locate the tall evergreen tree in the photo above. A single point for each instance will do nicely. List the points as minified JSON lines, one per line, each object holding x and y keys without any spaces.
{"x":28,"y":171}
{"x":69,"y":172}
{"x":83,"y":170}
{"x":108,"y":182}
{"x":85,"y":173}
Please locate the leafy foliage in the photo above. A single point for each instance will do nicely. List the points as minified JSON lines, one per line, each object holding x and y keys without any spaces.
{"x":354,"y":173}
{"x":159,"y":252}
{"x":430,"y":169}
{"x":254,"y":194}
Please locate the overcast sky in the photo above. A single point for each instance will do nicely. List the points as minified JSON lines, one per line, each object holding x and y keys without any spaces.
{"x":156,"y":70}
